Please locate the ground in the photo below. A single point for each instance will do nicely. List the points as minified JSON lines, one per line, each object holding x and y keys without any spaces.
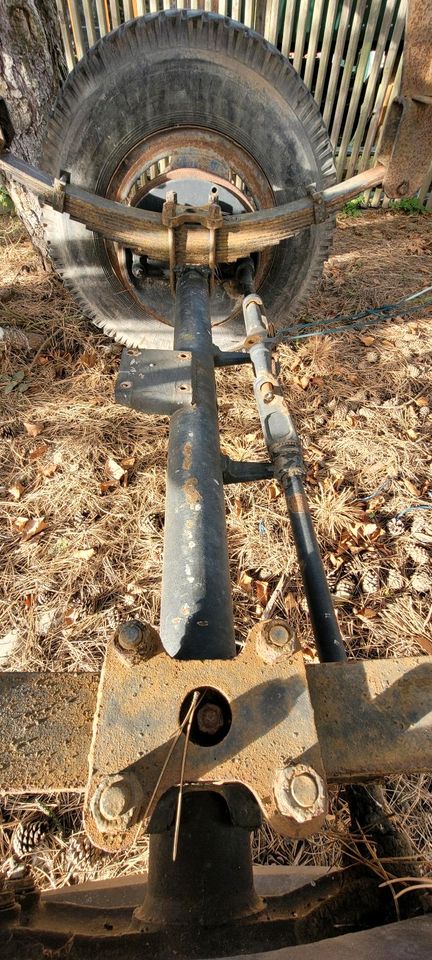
{"x":82,"y":502}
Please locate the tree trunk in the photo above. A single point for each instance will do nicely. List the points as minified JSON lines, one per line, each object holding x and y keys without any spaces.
{"x":32,"y":69}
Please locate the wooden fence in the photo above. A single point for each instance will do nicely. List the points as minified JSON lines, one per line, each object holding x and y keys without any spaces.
{"x":348,"y":52}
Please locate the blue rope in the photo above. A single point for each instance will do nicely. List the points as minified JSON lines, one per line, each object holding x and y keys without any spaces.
{"x":357,"y":321}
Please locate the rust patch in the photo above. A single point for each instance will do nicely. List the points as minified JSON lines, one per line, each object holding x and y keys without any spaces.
{"x":191,"y":492}
{"x":297,"y":503}
{"x":187,"y":455}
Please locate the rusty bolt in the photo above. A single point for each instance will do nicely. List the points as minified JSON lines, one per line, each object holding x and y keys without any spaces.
{"x":130,"y":634}
{"x":300,"y":793}
{"x":116,"y":803}
{"x":267,"y":389}
{"x":115,"y":799}
{"x":279,"y":634}
{"x":210,"y":718}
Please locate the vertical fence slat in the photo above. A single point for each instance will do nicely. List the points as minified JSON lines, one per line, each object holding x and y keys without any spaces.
{"x":65,"y":33}
{"x":325,"y":50}
{"x":101,"y":17}
{"x":302,"y":20}
{"x":358,"y":87}
{"x":222,"y":8}
{"x":370,"y":92}
{"x":236,"y":10}
{"x":77,"y":33}
{"x":248,"y":13}
{"x":153,"y":6}
{"x":384,"y":87}
{"x":115,"y":13}
{"x":271,"y":21}
{"x":290,"y":11}
{"x":332,"y":87}
{"x":313,"y":42}
{"x":343,"y":86}
{"x":89,"y":22}
{"x":128,"y":10}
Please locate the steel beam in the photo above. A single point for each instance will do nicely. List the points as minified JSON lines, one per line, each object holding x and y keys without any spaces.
{"x":373,"y":717}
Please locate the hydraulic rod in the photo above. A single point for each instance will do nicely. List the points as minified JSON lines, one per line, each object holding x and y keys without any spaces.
{"x":196,"y":611}
{"x":285,"y":452}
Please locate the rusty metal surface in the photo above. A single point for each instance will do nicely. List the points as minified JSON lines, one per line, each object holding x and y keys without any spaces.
{"x":45,"y":730}
{"x":142,"y":230}
{"x":138,"y":715}
{"x":374,"y":717}
{"x":406,"y":146}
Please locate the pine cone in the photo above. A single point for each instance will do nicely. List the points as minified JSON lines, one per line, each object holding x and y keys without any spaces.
{"x":370,"y":581}
{"x":395,"y":527}
{"x":27,"y":836}
{"x":395,"y":580}
{"x":344,"y":590}
{"x":421,"y":529}
{"x":8,"y":431}
{"x":418,"y":554}
{"x":81,"y":854}
{"x":421,"y":582}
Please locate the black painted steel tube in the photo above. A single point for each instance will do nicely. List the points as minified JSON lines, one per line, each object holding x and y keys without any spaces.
{"x":196,"y":611}
{"x":285,"y":452}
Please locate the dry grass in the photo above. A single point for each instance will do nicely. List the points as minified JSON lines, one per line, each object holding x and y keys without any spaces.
{"x":358,"y":405}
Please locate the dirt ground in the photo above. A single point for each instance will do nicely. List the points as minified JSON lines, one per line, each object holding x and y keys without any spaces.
{"x":82,"y":502}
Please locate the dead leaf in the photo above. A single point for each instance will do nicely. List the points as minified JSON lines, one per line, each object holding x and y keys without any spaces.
{"x":47,"y":469}
{"x":114,"y":470}
{"x":421,"y":402}
{"x":89,"y":358}
{"x":304,"y":382}
{"x":367,"y":613}
{"x":274,"y":490}
{"x":367,"y":340}
{"x":108,"y":485}
{"x":16,"y":490}
{"x":238,"y":507}
{"x":8,"y":644}
{"x":85,"y":554}
{"x":71,"y":615}
{"x":29,"y":528}
{"x":38,"y":452}
{"x":290,"y":602}
{"x":412,"y":434}
{"x":411,"y":487}
{"x":33,"y":429}
{"x":423,"y":641}
{"x":262,"y":591}
{"x":128,"y":462}
{"x":245,"y":582}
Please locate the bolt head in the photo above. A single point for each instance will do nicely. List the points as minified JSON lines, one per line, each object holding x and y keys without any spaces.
{"x":115,"y":800}
{"x":130,"y":634}
{"x":279,"y":634}
{"x":300,"y":793}
{"x":210,"y":718}
{"x":116,"y":803}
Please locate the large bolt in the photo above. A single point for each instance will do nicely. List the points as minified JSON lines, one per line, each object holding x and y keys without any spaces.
{"x":115,"y":799}
{"x":274,"y":640}
{"x":300,"y":793}
{"x":116,"y":802}
{"x":210,"y":718}
{"x":130,"y":635}
{"x":279,"y":634}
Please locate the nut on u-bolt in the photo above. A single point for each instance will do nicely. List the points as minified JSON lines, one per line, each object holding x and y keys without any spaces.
{"x":301,"y":796}
{"x":267,"y":390}
{"x":116,"y":802}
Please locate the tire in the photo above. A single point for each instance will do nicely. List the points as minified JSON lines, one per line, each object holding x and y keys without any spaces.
{"x":159,"y":72}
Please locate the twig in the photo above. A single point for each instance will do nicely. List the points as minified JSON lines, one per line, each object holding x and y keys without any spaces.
{"x":183,"y":764}
{"x":278,"y":593}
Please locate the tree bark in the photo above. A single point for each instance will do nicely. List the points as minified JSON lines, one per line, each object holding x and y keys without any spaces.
{"x":32,"y":69}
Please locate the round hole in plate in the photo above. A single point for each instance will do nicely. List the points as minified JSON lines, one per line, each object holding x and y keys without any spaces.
{"x":212,"y":716}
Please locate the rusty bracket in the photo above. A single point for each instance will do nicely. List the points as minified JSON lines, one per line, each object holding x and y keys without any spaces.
{"x":269,"y":744}
{"x":59,"y":192}
{"x":318,"y":201}
{"x":175,"y":215}
{"x":156,"y":381}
